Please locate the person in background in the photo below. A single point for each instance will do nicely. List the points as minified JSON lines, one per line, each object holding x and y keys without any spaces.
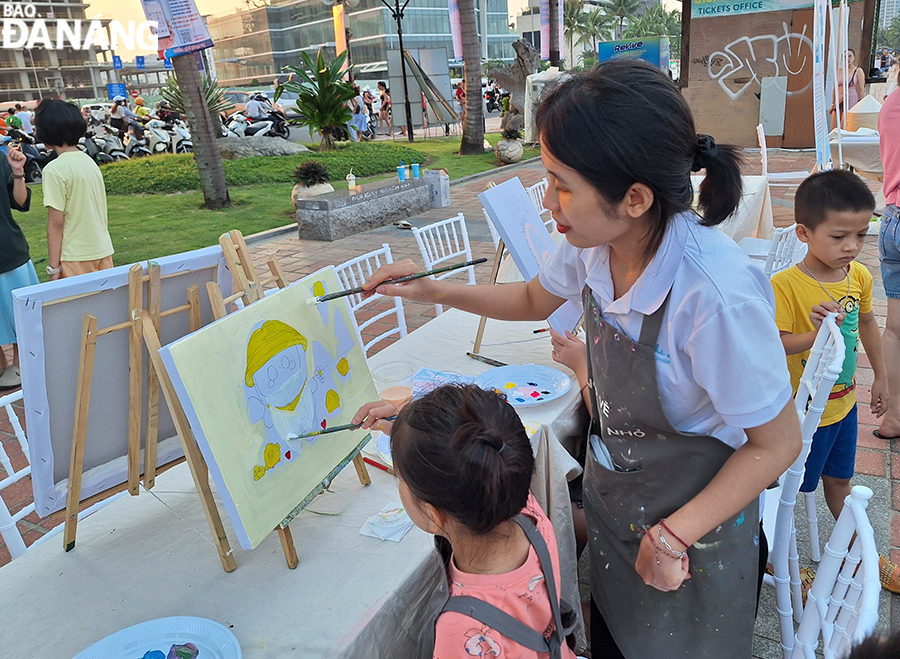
{"x":140,"y":109}
{"x":25,"y":117}
{"x":368,"y":98}
{"x":16,"y":268}
{"x":384,"y":114}
{"x":255,"y":108}
{"x":118,"y":115}
{"x":461,"y":99}
{"x":77,"y":227}
{"x":464,"y":465}
{"x":854,"y":89}
{"x":359,"y":120}
{"x":889,"y":251}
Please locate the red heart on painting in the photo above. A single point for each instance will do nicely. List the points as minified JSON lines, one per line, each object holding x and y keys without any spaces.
{"x":534,"y":394}
{"x":324,"y":423}
{"x":287,"y":455}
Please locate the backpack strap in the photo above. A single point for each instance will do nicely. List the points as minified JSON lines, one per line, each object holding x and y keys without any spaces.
{"x":506,"y":624}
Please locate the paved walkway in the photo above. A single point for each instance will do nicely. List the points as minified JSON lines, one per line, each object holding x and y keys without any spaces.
{"x":878,"y":461}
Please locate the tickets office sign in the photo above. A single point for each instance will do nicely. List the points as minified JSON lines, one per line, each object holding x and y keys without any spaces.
{"x":712,"y":8}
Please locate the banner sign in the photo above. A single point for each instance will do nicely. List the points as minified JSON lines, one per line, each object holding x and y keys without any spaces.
{"x":654,"y":50}
{"x":545,"y":30}
{"x":180,"y":28}
{"x":455,"y":30}
{"x":709,"y":8}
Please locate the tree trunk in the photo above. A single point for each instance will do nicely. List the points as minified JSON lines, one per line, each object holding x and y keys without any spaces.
{"x":203,"y":133}
{"x":555,"y":46}
{"x":473,"y":128}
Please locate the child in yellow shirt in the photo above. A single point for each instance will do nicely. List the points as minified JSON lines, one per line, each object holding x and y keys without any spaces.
{"x":832,"y":210}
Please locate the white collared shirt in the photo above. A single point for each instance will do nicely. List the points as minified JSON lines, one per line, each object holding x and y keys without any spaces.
{"x":720,"y":363}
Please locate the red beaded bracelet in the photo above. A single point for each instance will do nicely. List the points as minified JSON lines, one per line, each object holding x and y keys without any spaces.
{"x":666,"y":528}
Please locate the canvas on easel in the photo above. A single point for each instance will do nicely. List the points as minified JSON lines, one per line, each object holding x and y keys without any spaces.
{"x":253,"y":381}
{"x":526,"y":238}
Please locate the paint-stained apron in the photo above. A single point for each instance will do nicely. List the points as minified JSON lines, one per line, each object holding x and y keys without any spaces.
{"x":640,"y":469}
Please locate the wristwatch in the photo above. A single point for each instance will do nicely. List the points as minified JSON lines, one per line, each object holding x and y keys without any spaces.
{"x":18,"y":176}
{"x":53,"y":271}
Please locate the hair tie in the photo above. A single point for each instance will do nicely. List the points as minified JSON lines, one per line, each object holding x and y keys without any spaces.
{"x":705,"y":152}
{"x":501,"y":449}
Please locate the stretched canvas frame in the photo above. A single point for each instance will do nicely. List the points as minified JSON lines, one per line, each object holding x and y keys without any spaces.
{"x":529,"y":243}
{"x":49,"y":320}
{"x":252,"y":381}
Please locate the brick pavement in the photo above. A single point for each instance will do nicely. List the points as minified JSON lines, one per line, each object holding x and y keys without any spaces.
{"x":877,"y":458}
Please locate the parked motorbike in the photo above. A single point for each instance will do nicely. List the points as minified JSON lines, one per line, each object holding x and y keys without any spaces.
{"x":181,"y":141}
{"x":492,"y":102}
{"x":107,"y":140}
{"x":280,"y":126}
{"x":160,"y":140}
{"x":90,"y":147}
{"x":240,"y":126}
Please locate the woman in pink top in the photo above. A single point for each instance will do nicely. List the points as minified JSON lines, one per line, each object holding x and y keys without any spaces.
{"x":464,"y":464}
{"x":889,"y":249}
{"x":856,"y":86}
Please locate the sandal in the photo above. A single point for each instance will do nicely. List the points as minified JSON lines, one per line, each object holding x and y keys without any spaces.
{"x":890,"y":574}
{"x":807,"y":576}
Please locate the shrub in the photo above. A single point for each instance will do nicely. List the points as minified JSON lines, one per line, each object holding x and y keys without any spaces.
{"x":178,"y":173}
{"x":311,"y":173}
{"x":511,"y":134}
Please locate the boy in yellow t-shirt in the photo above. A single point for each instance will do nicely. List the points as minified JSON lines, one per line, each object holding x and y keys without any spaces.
{"x":77,"y":234}
{"x":832,"y":210}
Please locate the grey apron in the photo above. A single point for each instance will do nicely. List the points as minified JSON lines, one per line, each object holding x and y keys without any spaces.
{"x":638,"y":470}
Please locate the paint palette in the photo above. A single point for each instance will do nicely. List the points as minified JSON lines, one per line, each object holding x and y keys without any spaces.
{"x":214,"y":641}
{"x":526,"y":385}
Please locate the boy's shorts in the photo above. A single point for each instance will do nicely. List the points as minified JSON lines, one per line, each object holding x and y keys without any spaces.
{"x":889,"y":250}
{"x":833,"y":452}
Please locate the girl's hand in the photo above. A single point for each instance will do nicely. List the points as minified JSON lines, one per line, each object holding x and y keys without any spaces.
{"x":16,"y":160}
{"x":818,"y":313}
{"x":372,"y":416}
{"x":417,"y":290}
{"x":568,"y":350}
{"x":668,"y":575}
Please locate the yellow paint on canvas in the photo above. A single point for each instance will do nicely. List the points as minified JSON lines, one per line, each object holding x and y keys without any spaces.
{"x":343,"y":367}
{"x":332,"y":400}
{"x":318,"y":289}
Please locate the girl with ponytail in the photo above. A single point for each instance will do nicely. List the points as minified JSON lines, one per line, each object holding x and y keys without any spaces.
{"x":464,"y":464}
{"x":688,"y":385}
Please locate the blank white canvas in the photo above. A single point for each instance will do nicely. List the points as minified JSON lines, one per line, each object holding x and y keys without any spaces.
{"x":527,"y":239}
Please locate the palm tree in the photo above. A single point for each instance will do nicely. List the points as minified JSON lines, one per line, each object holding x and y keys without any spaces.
{"x":597,"y":26}
{"x":623,"y":9}
{"x":472,"y":142}
{"x":656,"y":21}
{"x":573,"y":22}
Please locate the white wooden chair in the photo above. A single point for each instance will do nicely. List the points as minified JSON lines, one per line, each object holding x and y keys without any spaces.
{"x":842,"y":605}
{"x":536,"y":193}
{"x":776,"y":179}
{"x":9,"y":529}
{"x":494,"y":235}
{"x":779,"y":253}
{"x":826,"y":359}
{"x":354,"y":273}
{"x":445,"y":241}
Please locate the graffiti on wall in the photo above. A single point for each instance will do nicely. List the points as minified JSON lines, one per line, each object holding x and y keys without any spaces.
{"x":743,"y":63}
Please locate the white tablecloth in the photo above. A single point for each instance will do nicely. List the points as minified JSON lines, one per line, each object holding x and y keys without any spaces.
{"x":351,"y":596}
{"x":860,"y":152}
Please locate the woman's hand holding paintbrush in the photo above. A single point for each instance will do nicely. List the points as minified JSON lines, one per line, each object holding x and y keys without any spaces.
{"x":377,"y":415}
{"x":416,"y":290}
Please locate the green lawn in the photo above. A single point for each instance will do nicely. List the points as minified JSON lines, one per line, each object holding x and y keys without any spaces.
{"x":144,"y":227}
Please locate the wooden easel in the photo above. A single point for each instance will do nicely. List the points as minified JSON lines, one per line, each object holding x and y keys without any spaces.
{"x":251,"y":289}
{"x":495,"y":271}
{"x":143,"y":328}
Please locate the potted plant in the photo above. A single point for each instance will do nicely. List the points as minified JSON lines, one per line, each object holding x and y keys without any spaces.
{"x":509,"y":148}
{"x":312,"y":179}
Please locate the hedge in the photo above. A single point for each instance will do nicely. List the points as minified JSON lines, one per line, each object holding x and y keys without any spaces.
{"x":178,"y":173}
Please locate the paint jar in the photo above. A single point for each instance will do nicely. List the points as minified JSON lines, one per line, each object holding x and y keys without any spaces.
{"x":394,"y":382}
{"x":401,"y":172}
{"x":415,"y":170}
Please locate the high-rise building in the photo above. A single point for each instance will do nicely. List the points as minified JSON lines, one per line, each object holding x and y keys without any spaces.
{"x":32,"y":73}
{"x":253,"y":44}
{"x":890,"y":9}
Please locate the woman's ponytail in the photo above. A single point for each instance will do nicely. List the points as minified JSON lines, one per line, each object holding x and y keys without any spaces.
{"x":721,"y":188}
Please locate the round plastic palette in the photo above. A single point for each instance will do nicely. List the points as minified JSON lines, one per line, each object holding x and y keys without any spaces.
{"x":526,"y":385}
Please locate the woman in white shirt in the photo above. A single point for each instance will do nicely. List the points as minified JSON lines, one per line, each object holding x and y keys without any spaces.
{"x":690,"y":391}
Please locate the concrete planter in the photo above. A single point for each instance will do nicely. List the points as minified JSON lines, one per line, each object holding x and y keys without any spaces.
{"x":337,"y":214}
{"x":300,"y":191}
{"x":509,"y":151}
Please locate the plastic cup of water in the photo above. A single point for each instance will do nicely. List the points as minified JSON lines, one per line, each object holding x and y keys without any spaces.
{"x":394,"y":382}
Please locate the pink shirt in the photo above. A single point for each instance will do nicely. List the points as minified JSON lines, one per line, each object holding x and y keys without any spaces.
{"x":889,"y":142}
{"x":522,"y":593}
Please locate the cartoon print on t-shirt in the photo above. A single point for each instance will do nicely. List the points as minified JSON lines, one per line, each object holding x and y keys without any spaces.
{"x":480,"y":644}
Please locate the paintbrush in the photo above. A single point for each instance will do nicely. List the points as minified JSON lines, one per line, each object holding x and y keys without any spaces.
{"x":485,"y":360}
{"x":398,"y":280}
{"x":328,"y":431}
